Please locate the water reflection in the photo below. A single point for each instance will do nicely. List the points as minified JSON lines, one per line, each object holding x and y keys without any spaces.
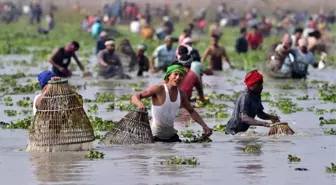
{"x":58,"y":168}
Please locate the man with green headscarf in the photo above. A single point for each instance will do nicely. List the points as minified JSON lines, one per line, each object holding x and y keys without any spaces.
{"x":167,"y":98}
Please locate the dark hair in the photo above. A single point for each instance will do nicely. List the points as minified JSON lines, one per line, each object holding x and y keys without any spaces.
{"x":215,"y":36}
{"x":242,"y":30}
{"x":182,"y":50}
{"x":186,"y":60}
{"x":315,"y":34}
{"x":255,"y":27}
{"x":75,"y":44}
{"x":186,"y":30}
{"x":298,"y":30}
{"x":176,"y":62}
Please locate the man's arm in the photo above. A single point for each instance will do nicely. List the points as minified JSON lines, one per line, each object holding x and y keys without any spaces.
{"x":199,"y":89}
{"x":193,"y":114}
{"x":226,"y":57}
{"x":205,"y":55}
{"x":150,"y":92}
{"x":78,"y":62}
{"x":101,"y":59}
{"x":251,"y":121}
{"x":245,"y":106}
{"x":52,"y":59}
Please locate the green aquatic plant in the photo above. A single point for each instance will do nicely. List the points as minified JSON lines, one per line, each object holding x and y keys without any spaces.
{"x":286,"y":105}
{"x":99,"y":124}
{"x":11,"y":113}
{"x":252,"y":149}
{"x":327,"y":92}
{"x":193,"y":161}
{"x":187,"y":133}
{"x":94,"y":155}
{"x":219,"y":128}
{"x":110,"y":107}
{"x":25,"y":102}
{"x":194,"y":138}
{"x":310,"y":109}
{"x":323,"y":111}
{"x":293,"y":158}
{"x":104,"y":97}
{"x":286,"y":86}
{"x":331,"y":169}
{"x":265,"y":96}
{"x":93,"y":109}
{"x":327,"y":121}
{"x":305,"y":97}
{"x":20,"y":124}
{"x":98,"y":136}
{"x":217,"y":115}
{"x":330,"y":131}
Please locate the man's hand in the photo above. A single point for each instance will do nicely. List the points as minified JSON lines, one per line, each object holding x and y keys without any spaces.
{"x":207,"y":131}
{"x":153,"y":70}
{"x":142,"y":107}
{"x":275,"y":119}
{"x":103,"y":64}
{"x":266,"y":124}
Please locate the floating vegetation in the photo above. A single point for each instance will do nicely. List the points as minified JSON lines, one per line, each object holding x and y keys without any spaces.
{"x":219,"y":128}
{"x":224,"y":97}
{"x":93,"y":109}
{"x":181,"y":161}
{"x":331,"y":169}
{"x":8,"y":101}
{"x":11,"y":113}
{"x":305,"y":97}
{"x":310,"y":109}
{"x":217,"y":115}
{"x":327,"y":93}
{"x":323,"y":111}
{"x":99,"y":124}
{"x":26,"y":102}
{"x":98,"y":136}
{"x":252,"y":149}
{"x":327,"y":121}
{"x":194,"y":138}
{"x":286,"y":105}
{"x":330,"y":131}
{"x":293,"y":158}
{"x":21,"y":124}
{"x":94,"y":155}
{"x":265,"y":96}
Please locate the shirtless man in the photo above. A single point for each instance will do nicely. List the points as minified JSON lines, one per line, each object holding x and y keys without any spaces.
{"x":217,"y":53}
{"x":166,"y":101}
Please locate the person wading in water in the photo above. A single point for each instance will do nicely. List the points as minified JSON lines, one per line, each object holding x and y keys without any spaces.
{"x":166,"y":101}
{"x":216,"y":53}
{"x":248,"y":105}
{"x":61,"y":59}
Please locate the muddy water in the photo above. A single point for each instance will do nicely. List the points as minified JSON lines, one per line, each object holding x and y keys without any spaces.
{"x":221,"y":162}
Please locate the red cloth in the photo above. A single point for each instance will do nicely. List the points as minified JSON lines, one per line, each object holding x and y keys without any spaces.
{"x":190,"y":81}
{"x":252,"y":78}
{"x":255,"y":40}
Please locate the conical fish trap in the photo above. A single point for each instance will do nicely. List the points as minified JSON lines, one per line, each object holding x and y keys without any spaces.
{"x":280,"y":128}
{"x":61,"y":123}
{"x":133,"y":128}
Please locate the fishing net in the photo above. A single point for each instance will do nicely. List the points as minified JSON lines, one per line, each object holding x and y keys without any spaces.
{"x":60,"y":124}
{"x":133,"y":128}
{"x":280,"y":128}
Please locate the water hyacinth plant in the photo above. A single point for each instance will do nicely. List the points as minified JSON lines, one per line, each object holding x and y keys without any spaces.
{"x":193,"y":161}
{"x":330,"y":131}
{"x":252,"y":149}
{"x":99,"y":124}
{"x":293,"y":158}
{"x":331,"y":169}
{"x":194,"y":138}
{"x":327,"y":121}
{"x":94,"y":155}
{"x":219,"y":128}
{"x":20,"y":124}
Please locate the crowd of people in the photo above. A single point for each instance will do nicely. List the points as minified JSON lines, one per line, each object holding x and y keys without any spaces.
{"x":184,"y":65}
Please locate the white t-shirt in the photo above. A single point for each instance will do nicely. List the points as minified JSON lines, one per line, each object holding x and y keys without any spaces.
{"x":34,"y":103}
{"x":135,"y":26}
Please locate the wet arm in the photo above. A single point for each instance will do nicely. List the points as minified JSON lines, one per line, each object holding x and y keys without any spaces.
{"x":101,"y":59}
{"x":80,"y":65}
{"x":199,"y":89}
{"x":205,"y":55}
{"x":193,"y":114}
{"x":226,"y":57}
{"x":150,"y":92}
{"x":251,"y":121}
{"x":264,"y":116}
{"x":52,"y":59}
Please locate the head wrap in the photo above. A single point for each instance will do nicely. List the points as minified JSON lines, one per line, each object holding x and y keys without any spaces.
{"x":252,"y":78}
{"x":109,"y":42}
{"x":103,"y":34}
{"x":185,"y":60}
{"x":44,"y":77}
{"x":173,"y":68}
{"x":187,"y":40}
{"x":142,"y":47}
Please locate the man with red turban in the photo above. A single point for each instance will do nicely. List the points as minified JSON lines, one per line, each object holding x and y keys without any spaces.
{"x":248,"y":105}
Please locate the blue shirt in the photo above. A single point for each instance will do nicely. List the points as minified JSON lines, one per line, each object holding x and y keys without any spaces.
{"x":96,"y":29}
{"x":300,"y":64}
{"x":163,"y":57}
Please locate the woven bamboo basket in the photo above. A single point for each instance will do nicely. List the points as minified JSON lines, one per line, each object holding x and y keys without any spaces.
{"x":133,"y":128}
{"x":280,"y":128}
{"x":61,"y":123}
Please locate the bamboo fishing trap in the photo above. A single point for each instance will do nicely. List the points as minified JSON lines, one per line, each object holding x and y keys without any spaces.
{"x":133,"y":128}
{"x":281,"y":128}
{"x":60,"y":124}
